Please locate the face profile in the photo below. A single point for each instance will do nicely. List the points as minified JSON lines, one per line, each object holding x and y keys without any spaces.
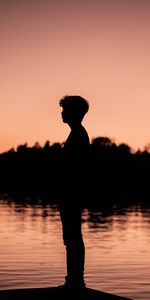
{"x":73,"y":109}
{"x":66,"y":115}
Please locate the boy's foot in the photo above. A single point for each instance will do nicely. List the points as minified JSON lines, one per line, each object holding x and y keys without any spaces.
{"x":74,"y":286}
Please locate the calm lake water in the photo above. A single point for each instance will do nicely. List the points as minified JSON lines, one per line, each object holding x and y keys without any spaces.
{"x":117,"y":244}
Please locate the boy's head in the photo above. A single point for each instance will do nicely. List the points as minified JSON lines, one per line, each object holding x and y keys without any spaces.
{"x":74,"y":108}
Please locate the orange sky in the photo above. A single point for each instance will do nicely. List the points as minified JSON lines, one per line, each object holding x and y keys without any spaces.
{"x":99,"y":49}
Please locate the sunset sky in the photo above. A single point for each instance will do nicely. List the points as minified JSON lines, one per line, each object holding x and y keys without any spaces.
{"x":99,"y":49}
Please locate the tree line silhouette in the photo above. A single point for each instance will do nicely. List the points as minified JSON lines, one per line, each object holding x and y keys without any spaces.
{"x":113,"y":174}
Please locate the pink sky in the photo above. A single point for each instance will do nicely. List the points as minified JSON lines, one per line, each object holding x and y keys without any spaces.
{"x":98,"y":49}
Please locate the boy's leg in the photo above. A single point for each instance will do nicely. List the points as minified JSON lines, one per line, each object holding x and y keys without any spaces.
{"x":75,"y":250}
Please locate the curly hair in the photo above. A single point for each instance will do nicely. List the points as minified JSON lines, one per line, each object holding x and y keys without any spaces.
{"x":76,"y":104}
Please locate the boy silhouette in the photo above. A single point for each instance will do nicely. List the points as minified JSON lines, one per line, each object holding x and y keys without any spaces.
{"x":73,"y":185}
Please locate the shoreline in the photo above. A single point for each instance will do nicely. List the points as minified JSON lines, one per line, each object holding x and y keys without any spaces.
{"x":55,"y":293}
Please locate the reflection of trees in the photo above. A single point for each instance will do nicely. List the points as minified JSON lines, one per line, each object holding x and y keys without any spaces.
{"x":110,"y":218}
{"x":104,"y":217}
{"x":31,"y":207}
{"x":99,"y":220}
{"x":115,"y":174}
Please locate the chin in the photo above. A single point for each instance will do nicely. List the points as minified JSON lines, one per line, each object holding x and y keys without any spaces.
{"x":64,"y":121}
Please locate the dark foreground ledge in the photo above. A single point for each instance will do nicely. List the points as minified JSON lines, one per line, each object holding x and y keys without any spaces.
{"x":57,"y":293}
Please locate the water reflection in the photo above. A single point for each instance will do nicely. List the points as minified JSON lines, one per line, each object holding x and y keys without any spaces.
{"x":100,"y":218}
{"x":117,"y":243}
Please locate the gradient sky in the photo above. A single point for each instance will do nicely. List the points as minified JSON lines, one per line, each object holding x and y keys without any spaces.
{"x":99,"y":49}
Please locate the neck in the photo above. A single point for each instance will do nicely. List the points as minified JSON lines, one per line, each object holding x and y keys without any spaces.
{"x":74,"y":124}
